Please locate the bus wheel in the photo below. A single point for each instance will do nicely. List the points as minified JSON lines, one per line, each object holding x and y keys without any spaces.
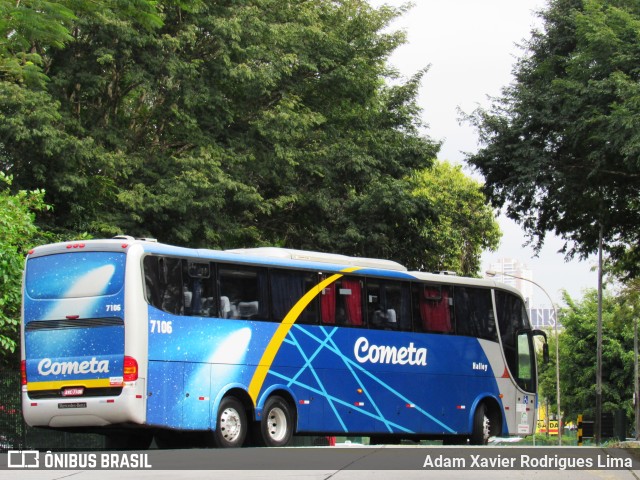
{"x":481,"y":426}
{"x":231,"y":427}
{"x":276,"y":426}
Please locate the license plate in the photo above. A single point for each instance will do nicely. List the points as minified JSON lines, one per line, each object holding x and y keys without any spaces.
{"x":73,"y":392}
{"x":73,"y":405}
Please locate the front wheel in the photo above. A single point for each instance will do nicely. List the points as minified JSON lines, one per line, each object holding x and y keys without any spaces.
{"x":231,"y":425}
{"x":276,"y":426}
{"x":481,"y":426}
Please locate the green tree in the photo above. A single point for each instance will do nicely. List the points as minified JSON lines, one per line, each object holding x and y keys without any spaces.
{"x":562,"y":143}
{"x":17,"y":234}
{"x":463,"y":226}
{"x":578,"y":356}
{"x":28,"y":29}
{"x":40,"y":146}
{"x":233,"y":124}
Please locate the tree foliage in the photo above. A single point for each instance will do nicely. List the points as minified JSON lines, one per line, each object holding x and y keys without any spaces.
{"x":463,"y":225}
{"x":28,"y":29}
{"x":562,"y":143}
{"x":17,"y":212}
{"x":229,"y":124}
{"x":578,"y":355}
{"x":225,"y":124}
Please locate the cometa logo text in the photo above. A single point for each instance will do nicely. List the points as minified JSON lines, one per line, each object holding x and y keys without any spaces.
{"x":49,"y":367}
{"x":364,"y":352}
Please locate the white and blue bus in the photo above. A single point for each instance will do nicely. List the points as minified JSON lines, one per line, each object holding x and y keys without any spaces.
{"x":135,"y":339}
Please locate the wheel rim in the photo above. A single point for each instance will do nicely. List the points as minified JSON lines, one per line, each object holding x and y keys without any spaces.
{"x":486,"y":429}
{"x":277,"y":424}
{"x":230,"y":424}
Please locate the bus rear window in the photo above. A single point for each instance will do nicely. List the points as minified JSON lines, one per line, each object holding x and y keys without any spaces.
{"x":75,"y":275}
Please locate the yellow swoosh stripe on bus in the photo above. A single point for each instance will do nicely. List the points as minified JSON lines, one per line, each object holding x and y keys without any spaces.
{"x":278,"y":337}
{"x":54,"y":385}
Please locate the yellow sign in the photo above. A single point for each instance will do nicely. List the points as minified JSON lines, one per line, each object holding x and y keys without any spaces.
{"x":553,"y":427}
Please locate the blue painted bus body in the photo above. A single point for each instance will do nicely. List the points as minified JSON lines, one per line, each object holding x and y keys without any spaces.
{"x":192,"y":368}
{"x":342,"y":380}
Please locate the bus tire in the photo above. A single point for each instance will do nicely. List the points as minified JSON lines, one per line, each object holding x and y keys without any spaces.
{"x":481,"y":426}
{"x":276,"y":426}
{"x":231,"y":424}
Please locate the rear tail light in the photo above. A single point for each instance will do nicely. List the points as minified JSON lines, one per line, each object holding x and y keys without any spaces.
{"x":130,"y":369}
{"x":23,"y":372}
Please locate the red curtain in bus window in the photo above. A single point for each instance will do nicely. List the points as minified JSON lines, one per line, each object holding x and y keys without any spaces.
{"x":328,"y":304}
{"x":353,"y":302}
{"x":434,"y":310}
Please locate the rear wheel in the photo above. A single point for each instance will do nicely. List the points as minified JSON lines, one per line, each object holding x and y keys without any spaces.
{"x":276,"y":426}
{"x":481,"y":426}
{"x":231,"y":425}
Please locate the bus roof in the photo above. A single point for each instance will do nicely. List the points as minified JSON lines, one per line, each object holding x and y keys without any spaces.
{"x":272,"y":255}
{"x":320,"y":257}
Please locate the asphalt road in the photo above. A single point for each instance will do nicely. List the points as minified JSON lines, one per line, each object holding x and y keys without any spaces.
{"x":333,"y":475}
{"x":322,"y":463}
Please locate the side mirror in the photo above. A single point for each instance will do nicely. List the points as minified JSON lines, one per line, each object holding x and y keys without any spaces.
{"x":545,"y":345}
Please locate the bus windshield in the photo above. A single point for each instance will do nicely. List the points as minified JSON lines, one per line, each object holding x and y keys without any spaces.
{"x":75,"y":275}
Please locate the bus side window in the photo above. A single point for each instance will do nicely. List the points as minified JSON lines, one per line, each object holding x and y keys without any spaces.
{"x":152,"y":281}
{"x":310,"y":314}
{"x":244,"y":292}
{"x":432,"y":306}
{"x":287,"y":288}
{"x":198,"y":289}
{"x":163,"y":283}
{"x":341,"y":303}
{"x":474,"y":313}
{"x":328,"y":304}
{"x":388,"y":305}
{"x":179,"y":286}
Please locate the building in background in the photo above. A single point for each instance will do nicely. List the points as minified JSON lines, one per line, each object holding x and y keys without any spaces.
{"x":505,"y":267}
{"x":542,"y":314}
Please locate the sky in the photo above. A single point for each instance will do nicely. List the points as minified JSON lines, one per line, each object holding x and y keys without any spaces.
{"x":471,"y":47}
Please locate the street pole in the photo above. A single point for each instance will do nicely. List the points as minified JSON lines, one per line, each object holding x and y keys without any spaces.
{"x":636,"y":382}
{"x":598,"y":419}
{"x":555,"y":313}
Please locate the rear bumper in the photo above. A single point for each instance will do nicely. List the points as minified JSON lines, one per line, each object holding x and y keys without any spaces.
{"x":128,"y":407}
